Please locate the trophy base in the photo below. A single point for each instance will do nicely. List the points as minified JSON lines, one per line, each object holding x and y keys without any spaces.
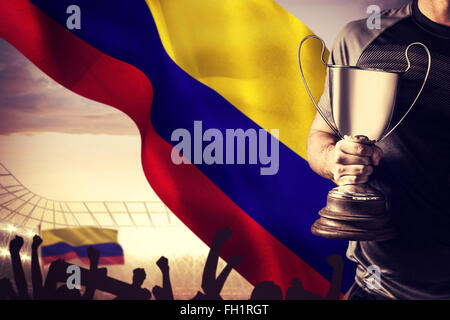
{"x":355,"y":212}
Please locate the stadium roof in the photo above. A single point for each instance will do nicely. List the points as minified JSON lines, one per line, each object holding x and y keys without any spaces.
{"x":22,"y":207}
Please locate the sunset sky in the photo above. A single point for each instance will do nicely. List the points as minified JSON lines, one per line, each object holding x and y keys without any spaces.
{"x":66,"y":147}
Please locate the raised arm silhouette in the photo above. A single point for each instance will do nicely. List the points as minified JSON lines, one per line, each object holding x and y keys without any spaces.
{"x":211,"y":285}
{"x":36,"y":275}
{"x":95,"y":274}
{"x":164,"y":293}
{"x":337,"y":264}
{"x":19,"y":276}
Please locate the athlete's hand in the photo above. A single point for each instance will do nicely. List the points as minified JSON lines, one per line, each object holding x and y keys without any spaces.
{"x":354,"y":160}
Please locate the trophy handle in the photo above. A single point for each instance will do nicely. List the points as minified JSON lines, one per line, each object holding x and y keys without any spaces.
{"x":421,"y":88}
{"x":306,"y":85}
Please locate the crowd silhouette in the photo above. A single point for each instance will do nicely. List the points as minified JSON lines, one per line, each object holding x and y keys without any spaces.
{"x":55,"y":287}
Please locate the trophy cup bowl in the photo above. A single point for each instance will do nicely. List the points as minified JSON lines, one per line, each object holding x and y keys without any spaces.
{"x":362,"y":104}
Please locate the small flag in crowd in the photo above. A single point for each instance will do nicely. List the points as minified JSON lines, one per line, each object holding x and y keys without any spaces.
{"x":72,"y":243}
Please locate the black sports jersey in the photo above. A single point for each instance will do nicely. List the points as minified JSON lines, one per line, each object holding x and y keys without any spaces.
{"x":414,"y":172}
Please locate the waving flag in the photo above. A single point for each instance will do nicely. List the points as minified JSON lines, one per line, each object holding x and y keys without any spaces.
{"x":71,"y":243}
{"x":229,"y":64}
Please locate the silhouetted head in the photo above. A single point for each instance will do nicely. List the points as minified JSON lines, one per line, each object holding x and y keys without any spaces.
{"x":295,"y":291}
{"x":64,"y":293}
{"x":138,"y":277}
{"x":267,"y":290}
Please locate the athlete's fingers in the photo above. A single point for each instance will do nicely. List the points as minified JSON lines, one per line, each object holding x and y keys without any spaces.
{"x":355,"y":148}
{"x":345,"y":158}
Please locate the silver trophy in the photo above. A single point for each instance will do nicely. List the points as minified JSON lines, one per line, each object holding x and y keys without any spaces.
{"x":362,"y":103}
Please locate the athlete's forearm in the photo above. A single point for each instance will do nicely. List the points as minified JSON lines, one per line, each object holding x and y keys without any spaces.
{"x":320,"y":152}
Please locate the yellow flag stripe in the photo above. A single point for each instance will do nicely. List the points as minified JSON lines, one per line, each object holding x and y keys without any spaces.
{"x":246,"y":50}
{"x":78,"y":236}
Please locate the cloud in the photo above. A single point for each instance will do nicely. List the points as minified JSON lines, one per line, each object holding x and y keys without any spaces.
{"x":31,"y":102}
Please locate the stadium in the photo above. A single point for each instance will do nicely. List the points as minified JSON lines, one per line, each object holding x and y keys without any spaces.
{"x":147,"y":231}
